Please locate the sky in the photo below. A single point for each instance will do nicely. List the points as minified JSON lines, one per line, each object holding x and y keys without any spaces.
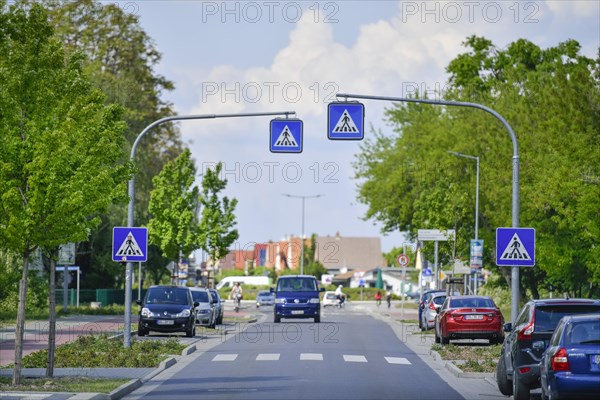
{"x":271,"y":56}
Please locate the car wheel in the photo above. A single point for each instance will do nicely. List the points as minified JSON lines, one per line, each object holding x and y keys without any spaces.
{"x":191,"y":332}
{"x":435,"y":333}
{"x":317,"y":319}
{"x":444,"y":340}
{"x":520,"y":388}
{"x":277,"y":319}
{"x":504,"y":385}
{"x":141,"y":331}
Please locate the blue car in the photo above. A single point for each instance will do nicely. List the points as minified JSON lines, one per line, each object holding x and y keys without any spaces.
{"x":297,"y":296}
{"x":570,"y":367}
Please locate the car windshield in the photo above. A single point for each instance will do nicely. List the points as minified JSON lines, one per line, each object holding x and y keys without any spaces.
{"x":547,"y":317}
{"x":297,"y":285}
{"x":585,"y":332}
{"x":474,"y":302}
{"x":168,"y":295}
{"x":200,"y":296}
{"x":264,"y":293}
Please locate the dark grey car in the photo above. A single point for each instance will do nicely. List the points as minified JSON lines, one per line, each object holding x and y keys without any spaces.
{"x":218,"y":305}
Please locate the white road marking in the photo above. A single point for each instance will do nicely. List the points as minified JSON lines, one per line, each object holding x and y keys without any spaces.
{"x":397,"y":360}
{"x":311,"y":356}
{"x":268,"y":357}
{"x":350,"y":358}
{"x":225,"y":357}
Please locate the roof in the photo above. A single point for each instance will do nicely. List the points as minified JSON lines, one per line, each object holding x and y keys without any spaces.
{"x":350,"y":252}
{"x":564,"y":301}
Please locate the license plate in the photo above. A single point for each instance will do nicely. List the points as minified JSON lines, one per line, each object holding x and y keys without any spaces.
{"x":478,"y":316}
{"x":597,"y":359}
{"x":298,"y":312}
{"x":165,"y":322}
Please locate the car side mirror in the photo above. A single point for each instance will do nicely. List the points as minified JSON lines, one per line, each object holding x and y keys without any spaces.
{"x":322,"y":289}
{"x":138,"y":302}
{"x":196,"y":304}
{"x":507,"y":327}
{"x":271,"y":290}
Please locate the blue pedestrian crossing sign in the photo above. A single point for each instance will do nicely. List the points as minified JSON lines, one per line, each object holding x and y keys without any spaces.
{"x":286,"y":135}
{"x":130,"y":244}
{"x":515,"y":247}
{"x":346,"y":121}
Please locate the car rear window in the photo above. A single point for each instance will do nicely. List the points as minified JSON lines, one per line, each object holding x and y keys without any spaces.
{"x":201,"y":297}
{"x":585,"y":332}
{"x":439,"y":300}
{"x":471,"y":303}
{"x":547,"y":316}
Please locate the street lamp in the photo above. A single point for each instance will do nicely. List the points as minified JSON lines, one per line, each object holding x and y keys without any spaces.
{"x":476,"y":200}
{"x":302,"y":236}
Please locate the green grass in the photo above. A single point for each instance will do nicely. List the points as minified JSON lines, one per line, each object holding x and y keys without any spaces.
{"x":10,"y":317}
{"x":473,"y":357}
{"x":98,"y":351}
{"x":66,"y":384}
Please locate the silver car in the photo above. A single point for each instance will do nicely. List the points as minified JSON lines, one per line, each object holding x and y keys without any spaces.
{"x":431,"y":310}
{"x":205,"y":314}
{"x":265,"y":298}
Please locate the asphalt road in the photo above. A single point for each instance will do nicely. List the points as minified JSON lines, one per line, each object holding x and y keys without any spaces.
{"x":347,"y":356}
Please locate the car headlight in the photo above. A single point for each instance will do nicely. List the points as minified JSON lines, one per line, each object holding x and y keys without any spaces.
{"x":146,"y":312}
{"x":280,"y":301}
{"x":183,"y":314}
{"x":315,"y":300}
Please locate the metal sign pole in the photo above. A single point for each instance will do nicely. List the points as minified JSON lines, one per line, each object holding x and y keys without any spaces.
{"x":131,"y":193}
{"x":515,"y":169}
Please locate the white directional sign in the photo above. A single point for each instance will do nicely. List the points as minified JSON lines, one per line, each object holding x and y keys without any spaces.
{"x":515,"y":247}
{"x":435,"y":235}
{"x":286,"y":135}
{"x":346,"y":121}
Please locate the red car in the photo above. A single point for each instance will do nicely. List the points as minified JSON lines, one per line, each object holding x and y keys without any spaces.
{"x":469,"y":317}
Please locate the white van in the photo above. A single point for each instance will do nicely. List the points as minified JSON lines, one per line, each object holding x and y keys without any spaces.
{"x":230,"y":281}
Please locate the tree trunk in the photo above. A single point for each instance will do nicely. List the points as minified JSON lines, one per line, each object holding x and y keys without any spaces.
{"x":52,"y":320}
{"x":20,"y":330}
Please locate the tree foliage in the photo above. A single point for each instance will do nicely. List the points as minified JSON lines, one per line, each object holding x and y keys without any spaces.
{"x":61,"y":146}
{"x":551,"y":98}
{"x":218,"y":215}
{"x":174,"y":203}
{"x":121,"y":60}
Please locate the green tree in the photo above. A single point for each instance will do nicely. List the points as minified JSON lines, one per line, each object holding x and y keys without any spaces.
{"x":550,"y":97}
{"x":121,"y":59}
{"x":174,"y":202}
{"x":61,"y":145}
{"x":218,"y":218}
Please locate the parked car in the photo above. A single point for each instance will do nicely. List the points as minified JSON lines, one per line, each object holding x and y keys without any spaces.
{"x":297,"y":296}
{"x":167,"y":309}
{"x":469,"y":317}
{"x":518,"y":368}
{"x":329,"y":299}
{"x":423,"y":302}
{"x":570,"y":367}
{"x":218,"y":305}
{"x":436,"y":300}
{"x":265,"y":298}
{"x":205,"y":312}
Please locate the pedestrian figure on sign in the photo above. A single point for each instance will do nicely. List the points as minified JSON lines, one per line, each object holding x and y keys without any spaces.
{"x":378,"y":298}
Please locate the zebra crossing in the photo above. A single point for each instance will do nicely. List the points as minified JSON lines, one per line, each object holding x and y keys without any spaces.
{"x":349,"y":358}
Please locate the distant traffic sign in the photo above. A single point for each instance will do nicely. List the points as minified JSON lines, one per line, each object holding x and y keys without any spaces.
{"x":403,"y":260}
{"x":515,"y":247}
{"x":286,"y":135}
{"x":346,"y":121}
{"x":130,"y":244}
